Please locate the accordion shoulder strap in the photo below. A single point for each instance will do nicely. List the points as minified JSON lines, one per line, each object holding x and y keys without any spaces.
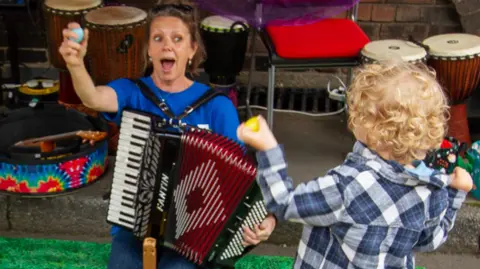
{"x":207,"y":96}
{"x":148,"y":93}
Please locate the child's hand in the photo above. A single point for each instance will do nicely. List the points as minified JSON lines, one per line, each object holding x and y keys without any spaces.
{"x":461,"y":180}
{"x":261,"y":140}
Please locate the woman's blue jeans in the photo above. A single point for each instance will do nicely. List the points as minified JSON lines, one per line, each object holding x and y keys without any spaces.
{"x":127,"y":253}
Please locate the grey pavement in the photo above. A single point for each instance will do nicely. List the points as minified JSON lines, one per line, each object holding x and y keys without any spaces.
{"x":313,"y":145}
{"x":428,"y":260}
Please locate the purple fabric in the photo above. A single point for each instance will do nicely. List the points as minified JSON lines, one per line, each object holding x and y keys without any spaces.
{"x":278,"y":12}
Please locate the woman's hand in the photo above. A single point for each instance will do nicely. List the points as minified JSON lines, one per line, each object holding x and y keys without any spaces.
{"x":71,"y":51}
{"x":262,"y":232}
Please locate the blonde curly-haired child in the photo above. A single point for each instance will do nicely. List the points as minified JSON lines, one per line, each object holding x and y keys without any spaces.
{"x":382,"y":204}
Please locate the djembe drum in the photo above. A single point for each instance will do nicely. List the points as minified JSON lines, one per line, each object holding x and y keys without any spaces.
{"x":382,"y":50}
{"x":225,"y":44}
{"x":456,"y":60}
{"x":57,"y":15}
{"x":117,"y":41}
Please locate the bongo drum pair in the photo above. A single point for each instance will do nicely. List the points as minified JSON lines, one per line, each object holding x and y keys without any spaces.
{"x":456,"y":60}
{"x":115,"y":48}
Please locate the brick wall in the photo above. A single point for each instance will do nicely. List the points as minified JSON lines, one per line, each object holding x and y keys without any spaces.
{"x":384,"y":19}
{"x":381,"y":19}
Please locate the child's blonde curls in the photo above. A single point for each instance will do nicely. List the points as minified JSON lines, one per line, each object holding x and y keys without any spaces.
{"x":400,"y":107}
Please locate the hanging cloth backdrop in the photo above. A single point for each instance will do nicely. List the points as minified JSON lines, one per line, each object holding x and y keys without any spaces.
{"x":278,"y":12}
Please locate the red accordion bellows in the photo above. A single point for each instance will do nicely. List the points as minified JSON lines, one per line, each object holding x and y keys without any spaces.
{"x":213,"y":178}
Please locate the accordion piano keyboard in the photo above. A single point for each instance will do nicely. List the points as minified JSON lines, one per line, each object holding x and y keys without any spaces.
{"x":134,"y":132}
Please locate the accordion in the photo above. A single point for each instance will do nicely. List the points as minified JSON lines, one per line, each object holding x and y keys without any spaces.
{"x":190,"y":189}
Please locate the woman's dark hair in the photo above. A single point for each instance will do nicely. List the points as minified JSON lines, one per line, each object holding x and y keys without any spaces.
{"x":188,"y":13}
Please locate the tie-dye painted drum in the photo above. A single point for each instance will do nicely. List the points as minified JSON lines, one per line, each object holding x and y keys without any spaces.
{"x":42,"y":151}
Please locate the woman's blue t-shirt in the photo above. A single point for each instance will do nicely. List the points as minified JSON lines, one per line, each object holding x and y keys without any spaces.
{"x":218,"y":115}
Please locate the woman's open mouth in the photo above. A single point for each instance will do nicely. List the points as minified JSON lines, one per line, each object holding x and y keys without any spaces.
{"x":167,"y":64}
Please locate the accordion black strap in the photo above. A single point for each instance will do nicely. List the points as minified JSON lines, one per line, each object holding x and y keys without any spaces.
{"x":148,"y":93}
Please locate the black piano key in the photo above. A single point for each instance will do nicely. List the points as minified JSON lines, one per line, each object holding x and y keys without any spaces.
{"x":129,"y":192}
{"x":130,"y":183}
{"x":141,"y":121}
{"x":139,"y":137}
{"x":133,"y":160}
{"x":136,"y":144}
{"x":127,"y":205}
{"x":136,"y":167}
{"x":127,"y":198}
{"x":141,"y":128}
{"x":126,"y":214}
{"x":131,"y":176}
{"x":135,"y":154}
{"x":126,"y":221}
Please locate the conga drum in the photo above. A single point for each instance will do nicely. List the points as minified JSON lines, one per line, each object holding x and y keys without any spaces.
{"x":117,"y":37}
{"x":382,"y":50}
{"x":225,"y":40}
{"x":57,"y":14}
{"x":456,"y":60}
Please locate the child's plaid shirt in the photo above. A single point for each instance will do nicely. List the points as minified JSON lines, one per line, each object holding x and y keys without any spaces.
{"x":365,"y":213}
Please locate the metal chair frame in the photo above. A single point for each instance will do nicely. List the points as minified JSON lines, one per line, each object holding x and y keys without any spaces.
{"x":275,"y":61}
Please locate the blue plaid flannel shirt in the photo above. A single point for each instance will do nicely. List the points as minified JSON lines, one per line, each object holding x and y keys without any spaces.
{"x":365,"y":213}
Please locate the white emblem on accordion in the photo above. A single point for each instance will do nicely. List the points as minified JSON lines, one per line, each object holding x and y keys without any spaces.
{"x":162,"y":195}
{"x":212,"y":202}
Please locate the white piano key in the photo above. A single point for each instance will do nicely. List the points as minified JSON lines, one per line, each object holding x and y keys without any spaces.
{"x":125,"y":212}
{"x":128,"y":114}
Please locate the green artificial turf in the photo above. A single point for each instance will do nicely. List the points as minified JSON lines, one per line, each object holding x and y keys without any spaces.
{"x":27,"y":253}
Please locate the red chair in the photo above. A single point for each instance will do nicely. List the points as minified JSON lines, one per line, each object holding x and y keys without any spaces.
{"x":327,"y":43}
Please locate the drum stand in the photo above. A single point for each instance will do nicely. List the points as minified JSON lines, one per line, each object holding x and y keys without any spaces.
{"x":149,"y":253}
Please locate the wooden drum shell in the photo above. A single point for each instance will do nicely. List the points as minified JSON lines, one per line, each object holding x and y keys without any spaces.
{"x":456,"y":60}
{"x":56,"y":19}
{"x":116,"y":50}
{"x":459,"y":77}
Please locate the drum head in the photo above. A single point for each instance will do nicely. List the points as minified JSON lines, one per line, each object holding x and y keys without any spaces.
{"x":223,"y":24}
{"x":115,"y":15}
{"x":453,"y":45}
{"x":72,"y":4}
{"x":392,"y":48}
